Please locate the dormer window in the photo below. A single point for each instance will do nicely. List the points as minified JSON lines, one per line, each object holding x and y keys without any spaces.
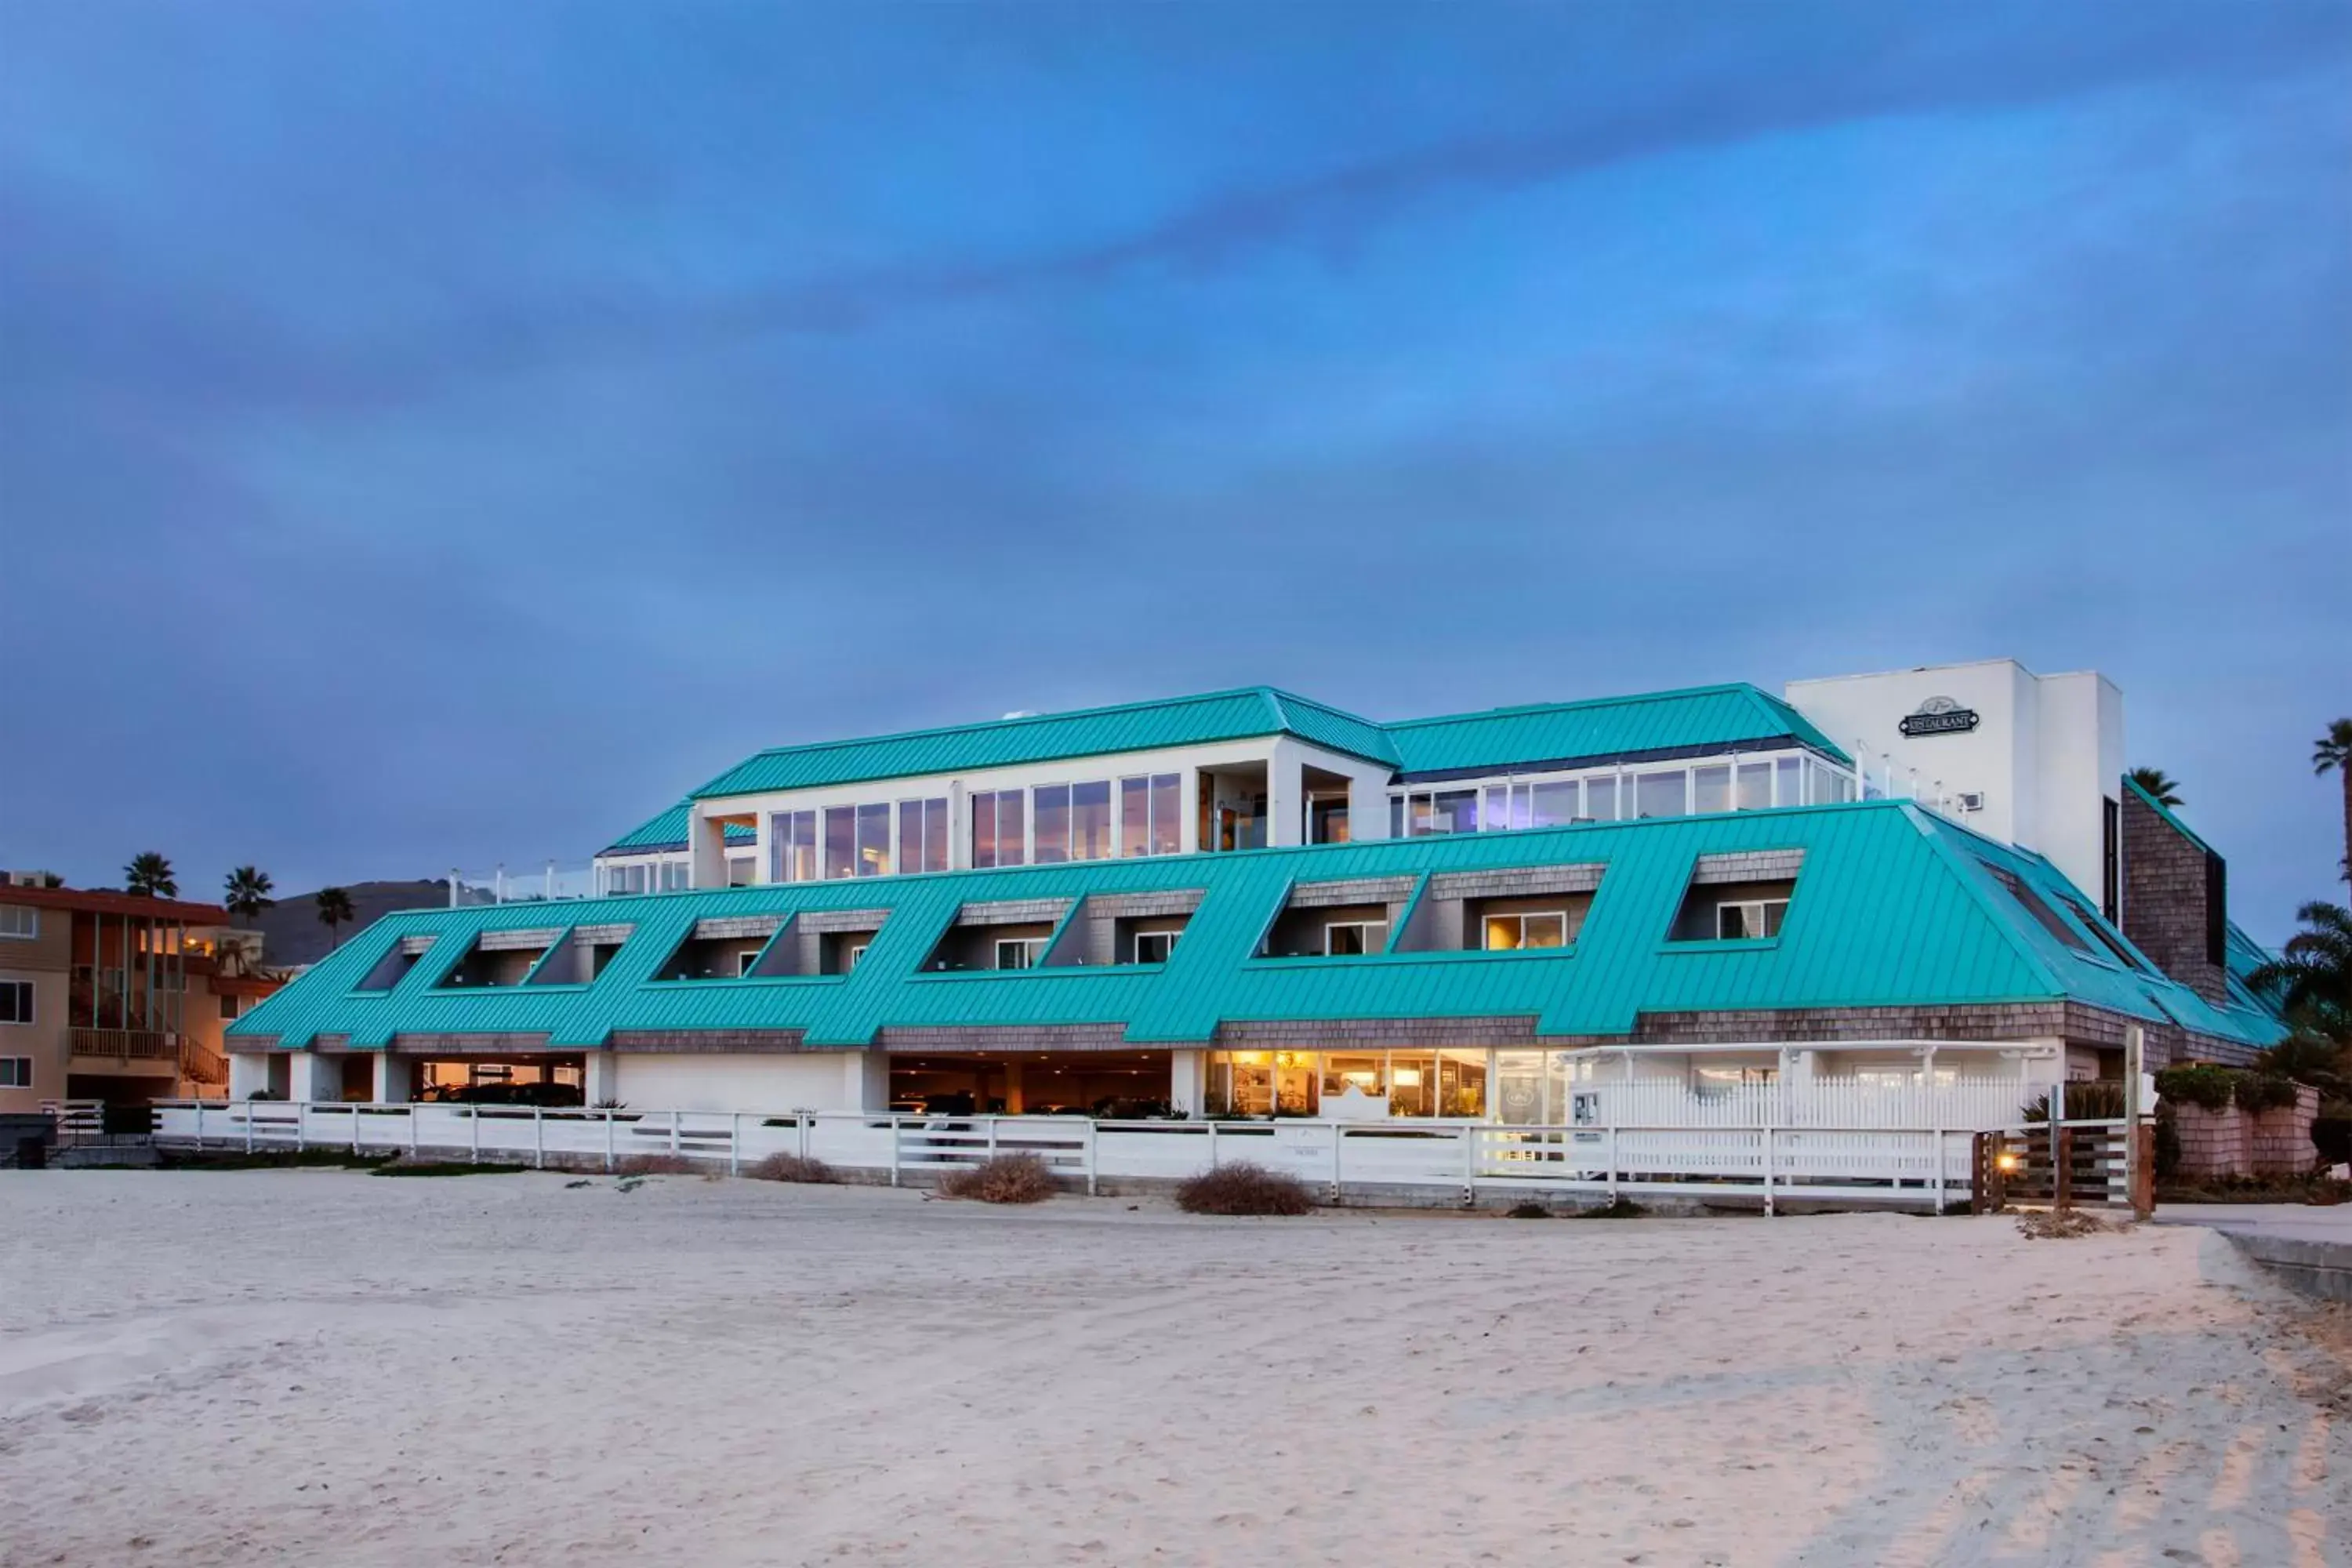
{"x":1750,"y":919}
{"x":1155,"y":946}
{"x":1354,"y":938}
{"x":1512,"y":932}
{"x":1019,"y":952}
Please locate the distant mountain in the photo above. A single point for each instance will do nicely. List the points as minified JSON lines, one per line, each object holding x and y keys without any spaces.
{"x":291,"y":931}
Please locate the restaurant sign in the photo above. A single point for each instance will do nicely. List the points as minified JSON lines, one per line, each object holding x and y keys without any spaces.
{"x":1939,"y":716}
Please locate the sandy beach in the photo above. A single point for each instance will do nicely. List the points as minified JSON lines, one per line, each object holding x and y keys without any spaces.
{"x":308,"y":1367}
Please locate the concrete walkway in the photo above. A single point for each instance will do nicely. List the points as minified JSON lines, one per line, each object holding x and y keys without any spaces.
{"x":2306,"y":1246}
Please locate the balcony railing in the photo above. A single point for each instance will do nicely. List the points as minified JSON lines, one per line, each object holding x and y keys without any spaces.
{"x":127,"y":1045}
{"x":549,"y":882}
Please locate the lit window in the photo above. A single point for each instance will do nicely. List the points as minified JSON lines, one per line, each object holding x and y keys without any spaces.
{"x":1750,"y":921}
{"x":1353,"y":938}
{"x":791,"y":846}
{"x":1509,"y":933}
{"x":1154,"y":946}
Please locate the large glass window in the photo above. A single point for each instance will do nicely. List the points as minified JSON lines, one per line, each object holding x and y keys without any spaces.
{"x":1788,"y":775}
{"x":874,"y":839}
{"x":1755,"y":786}
{"x":19,"y":921}
{"x":922,"y":835}
{"x":1711,"y":789}
{"x":791,"y":846}
{"x":1090,"y":820}
{"x":1601,"y":798}
{"x":1050,"y":811}
{"x":1660,"y":794}
{"x":1020,"y":952}
{"x":1455,"y":811}
{"x":1553,"y":805}
{"x":1750,"y":920}
{"x":1350,"y":938}
{"x":840,"y":841}
{"x":999,"y":828}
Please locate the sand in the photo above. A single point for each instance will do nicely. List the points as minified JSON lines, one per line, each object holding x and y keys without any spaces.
{"x":321,"y":1367}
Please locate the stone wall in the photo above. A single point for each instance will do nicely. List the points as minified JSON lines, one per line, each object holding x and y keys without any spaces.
{"x":2235,"y":1142}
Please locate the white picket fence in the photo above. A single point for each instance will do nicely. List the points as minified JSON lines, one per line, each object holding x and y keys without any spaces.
{"x":1906,"y":1148}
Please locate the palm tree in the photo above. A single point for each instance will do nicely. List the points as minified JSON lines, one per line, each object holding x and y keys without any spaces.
{"x":245,"y":893}
{"x":2334,"y":755}
{"x":2165,"y":790}
{"x":335,"y":909}
{"x":149,"y":875}
{"x":2312,"y":979}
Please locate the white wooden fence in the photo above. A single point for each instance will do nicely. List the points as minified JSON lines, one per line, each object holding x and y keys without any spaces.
{"x":1837,"y":1143}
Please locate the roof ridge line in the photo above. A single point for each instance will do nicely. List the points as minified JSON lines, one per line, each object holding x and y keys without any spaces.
{"x":1628,"y":699}
{"x":1973,"y":884}
{"x":1022,"y":719}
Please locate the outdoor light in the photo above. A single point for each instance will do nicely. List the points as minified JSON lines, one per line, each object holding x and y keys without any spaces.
{"x":2007,"y":1160}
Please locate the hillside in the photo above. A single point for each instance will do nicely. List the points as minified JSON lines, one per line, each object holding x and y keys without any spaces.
{"x":291,"y":933}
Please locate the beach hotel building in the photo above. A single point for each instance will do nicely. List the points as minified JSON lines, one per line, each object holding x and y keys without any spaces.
{"x":1250,"y":904}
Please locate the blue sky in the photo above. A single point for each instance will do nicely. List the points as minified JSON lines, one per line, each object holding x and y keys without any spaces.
{"x":440,"y":434}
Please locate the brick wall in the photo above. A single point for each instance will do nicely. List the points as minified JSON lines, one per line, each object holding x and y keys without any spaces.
{"x":2165,"y":884}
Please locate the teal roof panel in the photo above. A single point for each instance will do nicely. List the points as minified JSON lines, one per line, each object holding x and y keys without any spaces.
{"x":1894,"y":907}
{"x":667,"y":831}
{"x":1661,"y":724}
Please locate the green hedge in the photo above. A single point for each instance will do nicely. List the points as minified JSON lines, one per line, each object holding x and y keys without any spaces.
{"x":2217,"y":1089}
{"x":2264,"y":1091}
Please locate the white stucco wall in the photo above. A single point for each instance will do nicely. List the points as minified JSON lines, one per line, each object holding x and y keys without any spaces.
{"x":2045,"y":753}
{"x":818,"y":1080}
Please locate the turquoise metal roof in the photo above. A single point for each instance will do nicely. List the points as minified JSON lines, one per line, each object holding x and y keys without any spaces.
{"x":667,"y":831}
{"x":1659,"y":723}
{"x":1894,"y":907}
{"x":1047,"y":737}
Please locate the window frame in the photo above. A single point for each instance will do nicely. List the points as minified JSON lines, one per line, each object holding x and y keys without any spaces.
{"x":1365,"y":929}
{"x":1763,"y":908}
{"x":21,"y":1077}
{"x":1033,"y":949}
{"x":32,"y":921}
{"x":1521,"y":917}
{"x":28,"y":1013}
{"x":1136,"y":945}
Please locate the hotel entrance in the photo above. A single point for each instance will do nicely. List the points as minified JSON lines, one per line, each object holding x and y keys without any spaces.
{"x":1350,"y":1086}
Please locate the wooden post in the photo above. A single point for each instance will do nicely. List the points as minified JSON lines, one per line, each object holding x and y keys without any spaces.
{"x":539,"y":1137}
{"x":2143,"y":1176}
{"x":2061,"y":1168}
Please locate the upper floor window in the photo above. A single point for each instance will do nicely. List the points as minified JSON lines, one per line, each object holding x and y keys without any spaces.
{"x":20,"y":921}
{"x":1150,"y":812}
{"x":1350,"y":938}
{"x":15,"y":1072}
{"x":1020,"y":952}
{"x":1511,"y":932}
{"x":791,"y":846}
{"x":1155,"y":946}
{"x":858,"y":840}
{"x":743,"y":870}
{"x":1071,"y":822}
{"x":1000,"y":828}
{"x":230,"y":1007}
{"x":16,"y":1001}
{"x":923,"y":835}
{"x":1750,"y":919}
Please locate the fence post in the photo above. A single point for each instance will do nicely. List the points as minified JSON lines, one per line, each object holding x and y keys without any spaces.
{"x":411,"y":1129}
{"x":1339,"y":1136}
{"x":608,"y":1140}
{"x":1213,"y":1145}
{"x":802,"y":1118}
{"x":1094,"y":1163}
{"x":992,"y":1137}
{"x":200,"y":1124}
{"x":248,"y":1127}
{"x":734,"y":1143}
{"x":2143,"y":1174}
{"x":539,"y":1137}
{"x":1469,"y":1166}
{"x":1768,"y":1168}
{"x":474,"y":1133}
{"x":1937,"y":1134}
{"x":355,"y":1127}
{"x":673,"y":1132}
{"x":894,"y":1151}
{"x":301,"y":1126}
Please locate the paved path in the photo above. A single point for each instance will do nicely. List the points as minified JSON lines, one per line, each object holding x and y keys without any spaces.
{"x":2294,"y":1221}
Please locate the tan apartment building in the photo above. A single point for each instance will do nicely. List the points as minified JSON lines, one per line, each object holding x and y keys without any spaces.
{"x":109,"y":997}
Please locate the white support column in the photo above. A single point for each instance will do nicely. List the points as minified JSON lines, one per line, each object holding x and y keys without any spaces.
{"x":1185,"y":1082}
{"x":391,"y":1078}
{"x":311,"y":1076}
{"x":600,"y":1078}
{"x":248,"y":1073}
{"x":706,"y":847}
{"x":1286,"y":794}
{"x":865,"y":1079}
{"x":1188,"y":829}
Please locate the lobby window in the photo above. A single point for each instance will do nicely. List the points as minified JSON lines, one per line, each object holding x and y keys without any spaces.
{"x":792,"y":847}
{"x":1750,"y":920}
{"x":15,"y":1072}
{"x":1512,"y":932}
{"x":1000,"y":834}
{"x":923,"y":835}
{"x":21,"y":922}
{"x":16,"y":1001}
{"x":1354,"y":938}
{"x":1149,"y":812}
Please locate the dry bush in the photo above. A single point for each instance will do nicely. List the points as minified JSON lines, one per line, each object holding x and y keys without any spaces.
{"x":1006,"y":1179}
{"x":655,"y":1166}
{"x":1243,"y":1188}
{"x":2059,"y":1225}
{"x":794,"y":1168}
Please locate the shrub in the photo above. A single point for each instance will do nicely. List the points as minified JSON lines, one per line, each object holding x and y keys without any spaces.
{"x":655,"y":1166}
{"x":1243,"y":1188}
{"x":1004,"y":1179}
{"x":1527,"y":1211}
{"x":2207,"y":1087}
{"x":2087,"y":1100}
{"x":1615,"y":1208}
{"x":794,"y":1168}
{"x":2264,"y":1091}
{"x":2168,"y":1142}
